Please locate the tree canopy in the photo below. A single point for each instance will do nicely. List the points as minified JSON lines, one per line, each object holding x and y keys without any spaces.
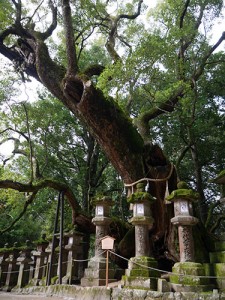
{"x":130,"y":91}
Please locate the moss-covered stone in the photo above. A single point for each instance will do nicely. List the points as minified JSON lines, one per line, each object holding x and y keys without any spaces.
{"x":183,"y":194}
{"x":219,"y":269}
{"x":182,"y":185}
{"x":188,"y":280}
{"x":144,"y":273}
{"x":139,"y":197}
{"x":189,"y":273}
{"x":138,"y":282}
{"x":217,"y":257}
{"x":101,"y":198}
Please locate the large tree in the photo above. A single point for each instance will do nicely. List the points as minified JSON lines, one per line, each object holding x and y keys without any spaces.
{"x":146,"y":76}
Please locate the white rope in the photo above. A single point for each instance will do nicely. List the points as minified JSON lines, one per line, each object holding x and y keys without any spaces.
{"x":151,"y":179}
{"x":92,"y":258}
{"x":138,"y":264}
{"x":65,"y":262}
{"x":163,"y":271}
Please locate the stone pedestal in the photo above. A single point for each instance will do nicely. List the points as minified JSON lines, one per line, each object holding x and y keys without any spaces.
{"x":183,"y":211}
{"x":95,"y":274}
{"x":74,"y":270}
{"x":189,"y":277}
{"x":41,"y":258}
{"x":3,"y":268}
{"x":12,"y":271}
{"x":140,"y":273}
{"x":216,"y":267}
{"x":24,"y":261}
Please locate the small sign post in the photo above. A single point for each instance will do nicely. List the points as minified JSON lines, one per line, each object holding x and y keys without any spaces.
{"x":107,"y":244}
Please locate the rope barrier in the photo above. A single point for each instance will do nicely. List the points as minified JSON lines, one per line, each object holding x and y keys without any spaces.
{"x":170,"y":273}
{"x":136,"y":263}
{"x":65,"y":262}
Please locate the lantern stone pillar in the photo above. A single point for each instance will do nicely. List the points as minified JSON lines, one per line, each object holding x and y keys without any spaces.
{"x":24,"y":261}
{"x":94,"y":275}
{"x":41,"y":258}
{"x":74,"y":269}
{"x":187,"y":275}
{"x":102,"y":222}
{"x":217,"y":257}
{"x":3,"y":267}
{"x":12,"y":271}
{"x":140,"y":273}
{"x":184,"y":219}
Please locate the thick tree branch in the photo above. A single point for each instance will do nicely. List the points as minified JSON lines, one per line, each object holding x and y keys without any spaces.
{"x":94,"y":70}
{"x":182,"y":155}
{"x":135,"y":15}
{"x":70,"y":42}
{"x":53,"y":25}
{"x":201,"y":67}
{"x":113,"y":25}
{"x":163,"y":107}
{"x":45,"y":183}
{"x":183,"y":14}
{"x":14,"y":130}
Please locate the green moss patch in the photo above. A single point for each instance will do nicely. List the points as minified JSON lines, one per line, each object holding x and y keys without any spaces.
{"x":139,"y":197}
{"x":183,"y":194}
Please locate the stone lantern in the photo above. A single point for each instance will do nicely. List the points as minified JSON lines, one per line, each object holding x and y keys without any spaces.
{"x":3,"y":265}
{"x":140,"y":271}
{"x":101,"y":221}
{"x":24,"y":261}
{"x":41,"y":257}
{"x":94,"y":275}
{"x":75,"y":256}
{"x":184,"y":219}
{"x":13,"y":269}
{"x":142,"y":220}
{"x":187,"y":275}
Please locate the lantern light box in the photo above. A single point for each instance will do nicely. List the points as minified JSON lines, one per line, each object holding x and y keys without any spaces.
{"x":99,"y":210}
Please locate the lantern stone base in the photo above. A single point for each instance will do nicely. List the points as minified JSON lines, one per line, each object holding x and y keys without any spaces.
{"x":95,"y":274}
{"x":216,"y":267}
{"x":140,"y":273}
{"x":189,"y":277}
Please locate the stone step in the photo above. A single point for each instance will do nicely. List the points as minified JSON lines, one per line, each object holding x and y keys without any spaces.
{"x":96,"y":273}
{"x":139,"y":282}
{"x":191,"y":288}
{"x":85,"y":281}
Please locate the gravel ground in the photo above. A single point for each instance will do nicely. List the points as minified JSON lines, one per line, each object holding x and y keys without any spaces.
{"x":12,"y":296}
